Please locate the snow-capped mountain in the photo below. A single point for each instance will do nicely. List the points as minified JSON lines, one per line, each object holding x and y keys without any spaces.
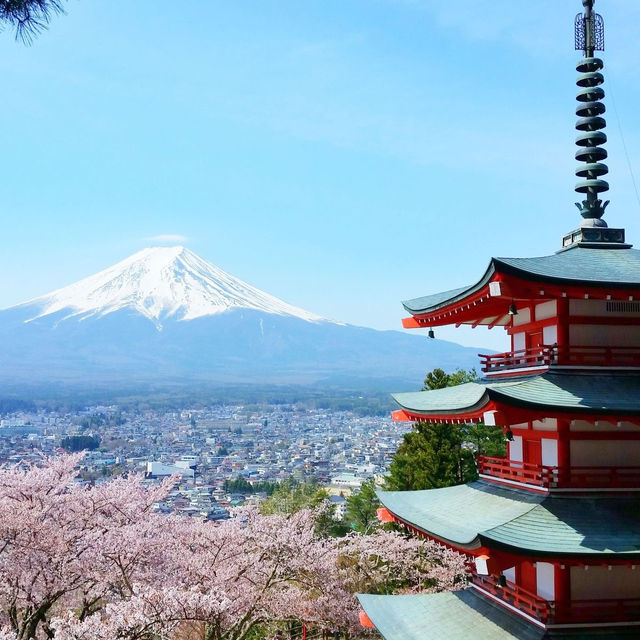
{"x":105,"y":329}
{"x":160,"y":283}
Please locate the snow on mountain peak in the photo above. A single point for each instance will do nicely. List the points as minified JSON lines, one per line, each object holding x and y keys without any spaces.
{"x":159,"y":283}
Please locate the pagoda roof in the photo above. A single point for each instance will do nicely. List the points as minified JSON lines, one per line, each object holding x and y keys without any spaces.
{"x":615,"y":393}
{"x":578,"y":266}
{"x":483,"y":514}
{"x":462,"y":614}
{"x":445,"y":616}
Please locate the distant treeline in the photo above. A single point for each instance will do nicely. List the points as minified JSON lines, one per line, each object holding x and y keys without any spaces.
{"x":11,"y":405}
{"x":73,"y":444}
{"x":240,"y":485}
{"x":150,"y":398}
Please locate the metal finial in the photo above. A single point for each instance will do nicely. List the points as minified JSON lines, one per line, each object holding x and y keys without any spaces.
{"x":590,"y":37}
{"x":589,"y":30}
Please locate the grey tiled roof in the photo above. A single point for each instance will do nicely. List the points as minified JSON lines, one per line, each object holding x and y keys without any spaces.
{"x":614,"y":267}
{"x":575,"y":526}
{"x":463,"y":615}
{"x":614,"y":393}
{"x":459,"y":513}
{"x":445,"y":616}
{"x":480,"y":513}
{"x":578,"y":266}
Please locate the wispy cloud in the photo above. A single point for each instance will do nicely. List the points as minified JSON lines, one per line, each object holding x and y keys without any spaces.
{"x":167,"y":238}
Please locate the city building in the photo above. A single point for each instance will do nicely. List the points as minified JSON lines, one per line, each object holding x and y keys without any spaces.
{"x":552,"y":531}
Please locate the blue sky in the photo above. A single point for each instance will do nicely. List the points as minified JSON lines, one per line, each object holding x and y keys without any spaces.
{"x":340,"y":154}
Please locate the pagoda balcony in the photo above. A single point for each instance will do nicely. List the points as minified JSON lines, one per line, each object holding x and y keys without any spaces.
{"x":523,"y":472}
{"x":511,"y":594}
{"x":587,"y":478}
{"x":561,"y":356}
{"x":550,"y":612}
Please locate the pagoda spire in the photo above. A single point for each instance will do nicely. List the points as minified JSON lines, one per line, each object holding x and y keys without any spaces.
{"x":589,"y":37}
{"x":593,"y":231}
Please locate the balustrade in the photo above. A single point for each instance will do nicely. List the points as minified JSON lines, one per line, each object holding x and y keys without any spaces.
{"x":551,"y":612}
{"x":558,"y":478}
{"x":549,"y":356}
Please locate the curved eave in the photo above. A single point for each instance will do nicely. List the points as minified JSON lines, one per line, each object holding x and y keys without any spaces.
{"x":517,"y":399}
{"x":561,"y":274}
{"x":428,"y":304}
{"x":473,"y":413}
{"x":457,"y":515}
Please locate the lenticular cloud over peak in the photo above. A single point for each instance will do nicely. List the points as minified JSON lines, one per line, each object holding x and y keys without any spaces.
{"x":161,"y":283}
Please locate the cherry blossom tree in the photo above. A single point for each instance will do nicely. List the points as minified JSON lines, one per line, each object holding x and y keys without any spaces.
{"x":98,"y":563}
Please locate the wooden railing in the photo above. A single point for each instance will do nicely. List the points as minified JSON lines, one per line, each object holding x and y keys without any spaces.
{"x":534,"y":357}
{"x":512,"y":594}
{"x":596,"y":356}
{"x":547,"y":356}
{"x":551,"y":612}
{"x":506,"y":469}
{"x":555,"y":477}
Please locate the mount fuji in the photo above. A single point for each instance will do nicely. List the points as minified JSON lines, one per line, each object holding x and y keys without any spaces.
{"x":165,"y":315}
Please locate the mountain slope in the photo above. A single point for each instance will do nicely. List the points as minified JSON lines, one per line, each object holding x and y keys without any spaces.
{"x":167,"y":315}
{"x":160,"y":283}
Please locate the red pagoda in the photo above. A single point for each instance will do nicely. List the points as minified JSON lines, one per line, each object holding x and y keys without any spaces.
{"x":552,"y":530}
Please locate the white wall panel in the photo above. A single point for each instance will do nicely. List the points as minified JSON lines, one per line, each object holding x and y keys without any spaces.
{"x":545,"y":580}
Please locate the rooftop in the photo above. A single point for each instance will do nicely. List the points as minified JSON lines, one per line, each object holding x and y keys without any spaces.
{"x":482,"y":514}
{"x":559,"y":391}
{"x":462,"y":614}
{"x":579,"y":266}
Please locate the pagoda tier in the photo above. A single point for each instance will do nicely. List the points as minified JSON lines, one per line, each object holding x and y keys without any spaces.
{"x":561,"y":564}
{"x":577,"y":309}
{"x":574,"y":274}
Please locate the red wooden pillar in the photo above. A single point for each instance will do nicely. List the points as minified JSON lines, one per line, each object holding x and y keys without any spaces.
{"x":563,"y":330}
{"x":562,"y":588}
{"x":564,"y":450}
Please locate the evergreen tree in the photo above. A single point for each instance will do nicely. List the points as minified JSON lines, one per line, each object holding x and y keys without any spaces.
{"x":440,"y":455}
{"x":361,"y":508}
{"x":28,"y":17}
{"x":430,"y":457}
